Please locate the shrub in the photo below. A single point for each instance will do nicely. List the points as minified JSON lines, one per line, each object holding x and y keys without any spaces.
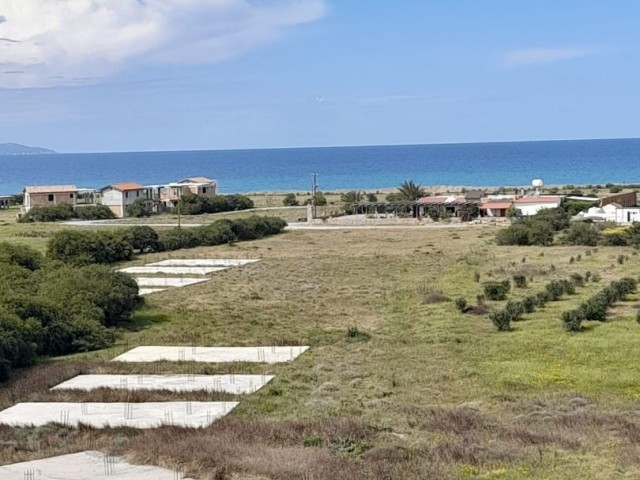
{"x":516,"y":234}
{"x":497,"y":290}
{"x":480,"y":299}
{"x":515,"y":310}
{"x":191,"y":204}
{"x":461,"y":304}
{"x":638,"y":317}
{"x":501,"y":320}
{"x":542,"y":298}
{"x":354,"y":334}
{"x":620,"y":259}
{"x":290,"y":200}
{"x":53,"y":213}
{"x":22,"y":256}
{"x":142,"y":239}
{"x":577,"y":279}
{"x":86,"y":247}
{"x":529,"y":304}
{"x":572,"y":320}
{"x":581,"y":234}
{"x":520,"y":281}
{"x":595,"y":278}
{"x":94,"y":212}
{"x":139,"y":209}
{"x":476,"y":277}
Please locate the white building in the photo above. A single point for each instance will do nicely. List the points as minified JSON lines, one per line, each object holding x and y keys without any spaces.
{"x":529,"y":206}
{"x":119,"y":196}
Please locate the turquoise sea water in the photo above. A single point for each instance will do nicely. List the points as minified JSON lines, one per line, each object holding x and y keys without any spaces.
{"x":487,"y":164}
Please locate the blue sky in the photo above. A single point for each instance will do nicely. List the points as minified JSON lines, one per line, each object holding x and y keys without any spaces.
{"x":210,"y":74}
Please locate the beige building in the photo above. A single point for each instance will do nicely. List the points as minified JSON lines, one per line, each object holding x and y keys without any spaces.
{"x":47,"y":196}
{"x":119,"y":196}
{"x":200,"y":186}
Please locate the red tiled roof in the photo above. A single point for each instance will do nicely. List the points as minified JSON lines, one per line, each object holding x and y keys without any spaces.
{"x":52,"y":189}
{"x":495,"y":205}
{"x":125,"y":187}
{"x":538,"y":200}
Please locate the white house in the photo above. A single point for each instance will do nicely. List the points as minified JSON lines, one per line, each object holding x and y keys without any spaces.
{"x":531,"y":205}
{"x":119,"y":196}
{"x":627,"y":215}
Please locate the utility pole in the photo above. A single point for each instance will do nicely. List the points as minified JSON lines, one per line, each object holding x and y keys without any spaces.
{"x":314,"y":191}
{"x":179,"y":209}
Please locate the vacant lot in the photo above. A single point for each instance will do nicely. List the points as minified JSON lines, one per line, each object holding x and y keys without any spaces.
{"x":418,"y":390}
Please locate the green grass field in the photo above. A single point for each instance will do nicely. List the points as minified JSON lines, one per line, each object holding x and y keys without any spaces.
{"x":433,"y":393}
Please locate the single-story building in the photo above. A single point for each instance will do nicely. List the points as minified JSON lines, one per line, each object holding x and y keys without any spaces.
{"x":5,"y":200}
{"x":452,"y":205}
{"x":49,"y":195}
{"x":627,"y":215}
{"x":495,"y":209}
{"x":531,"y":205}
{"x":119,"y":196}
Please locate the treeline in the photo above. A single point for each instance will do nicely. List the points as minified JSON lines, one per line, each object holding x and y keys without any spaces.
{"x":595,"y":308}
{"x":64,"y":211}
{"x":82,"y":247}
{"x":52,"y":308}
{"x":191,"y":204}
{"x":554,"y":226}
{"x":553,"y":292}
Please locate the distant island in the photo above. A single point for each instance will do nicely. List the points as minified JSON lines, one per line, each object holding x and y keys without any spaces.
{"x":17,"y":149}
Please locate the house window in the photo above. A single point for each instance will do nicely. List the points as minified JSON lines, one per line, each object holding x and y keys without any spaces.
{"x":71,"y":195}
{"x":137,"y":194}
{"x":126,"y":194}
{"x":204,"y":189}
{"x":51,"y":197}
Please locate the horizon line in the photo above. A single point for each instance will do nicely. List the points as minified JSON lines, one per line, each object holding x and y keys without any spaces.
{"x":240,"y":149}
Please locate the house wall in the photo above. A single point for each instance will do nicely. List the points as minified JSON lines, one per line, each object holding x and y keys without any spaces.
{"x":48,"y":199}
{"x":529,"y":209}
{"x":626,"y":216}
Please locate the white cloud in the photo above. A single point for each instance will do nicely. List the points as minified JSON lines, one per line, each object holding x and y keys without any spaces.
{"x":66,"y":42}
{"x":540,"y":56}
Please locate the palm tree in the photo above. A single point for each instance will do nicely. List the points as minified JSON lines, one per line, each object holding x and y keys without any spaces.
{"x":411,"y":191}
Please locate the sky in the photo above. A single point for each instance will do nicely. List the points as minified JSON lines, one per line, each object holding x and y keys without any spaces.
{"x":151,"y":75}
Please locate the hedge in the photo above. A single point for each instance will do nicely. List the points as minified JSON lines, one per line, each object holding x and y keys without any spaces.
{"x":83,"y":247}
{"x":52,"y":308}
{"x":191,"y":204}
{"x":64,"y":211}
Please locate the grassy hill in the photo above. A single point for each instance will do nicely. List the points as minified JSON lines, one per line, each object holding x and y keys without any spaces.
{"x":398,"y":382}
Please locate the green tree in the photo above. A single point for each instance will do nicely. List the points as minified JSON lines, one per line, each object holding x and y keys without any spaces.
{"x":290,"y":200}
{"x":409,"y":190}
{"x":139,"y":208}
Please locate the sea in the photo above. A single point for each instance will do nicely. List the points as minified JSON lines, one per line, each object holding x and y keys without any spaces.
{"x":577,"y":162}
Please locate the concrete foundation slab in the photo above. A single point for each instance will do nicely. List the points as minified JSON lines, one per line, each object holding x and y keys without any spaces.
{"x":104,"y":415}
{"x":152,"y":270}
{"x":151,"y":282}
{"x":205,"y":262}
{"x":212,"y":354}
{"x":85,"y":466}
{"x":236,"y":384}
{"x":149,"y":291}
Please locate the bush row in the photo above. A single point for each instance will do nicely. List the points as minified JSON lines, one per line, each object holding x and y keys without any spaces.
{"x":553,"y":291}
{"x":64,"y":211}
{"x":595,"y":308}
{"x":53,"y":308}
{"x":191,"y":204}
{"x":83,"y":247}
